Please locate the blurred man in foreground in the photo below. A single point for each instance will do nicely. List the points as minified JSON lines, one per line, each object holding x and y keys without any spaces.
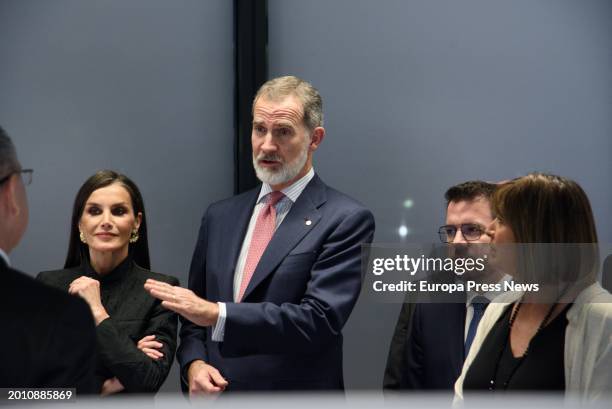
{"x":48,"y":337}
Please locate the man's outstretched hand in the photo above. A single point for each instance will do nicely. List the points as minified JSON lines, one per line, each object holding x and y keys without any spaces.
{"x":184,"y":302}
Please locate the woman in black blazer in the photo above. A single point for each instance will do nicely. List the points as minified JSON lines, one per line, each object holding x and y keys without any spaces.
{"x":107,"y":265}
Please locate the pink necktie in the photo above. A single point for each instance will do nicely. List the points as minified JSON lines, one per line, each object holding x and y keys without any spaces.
{"x":264,"y":230}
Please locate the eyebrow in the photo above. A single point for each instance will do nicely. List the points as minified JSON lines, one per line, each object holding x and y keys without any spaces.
{"x":282,"y":124}
{"x":99,"y":205}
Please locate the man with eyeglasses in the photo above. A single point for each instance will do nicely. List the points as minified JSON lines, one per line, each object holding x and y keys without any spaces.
{"x":431,"y":341}
{"x":48,"y":337}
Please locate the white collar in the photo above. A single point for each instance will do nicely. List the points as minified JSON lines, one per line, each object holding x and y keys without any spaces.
{"x":292,"y":191}
{"x":5,"y":257}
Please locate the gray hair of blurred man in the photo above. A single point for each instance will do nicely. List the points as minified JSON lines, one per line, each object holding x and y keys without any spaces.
{"x":279,"y":88}
{"x":8,"y":154}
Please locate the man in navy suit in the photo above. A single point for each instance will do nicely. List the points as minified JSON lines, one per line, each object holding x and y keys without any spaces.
{"x":276,"y":270}
{"x":431,"y":340}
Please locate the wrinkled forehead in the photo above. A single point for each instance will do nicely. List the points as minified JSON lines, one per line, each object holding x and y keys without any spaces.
{"x":287,"y":109}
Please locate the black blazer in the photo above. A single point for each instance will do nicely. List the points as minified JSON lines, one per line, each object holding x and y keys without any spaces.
{"x":133,"y":314}
{"x":48,"y":337}
{"x":427,"y":349}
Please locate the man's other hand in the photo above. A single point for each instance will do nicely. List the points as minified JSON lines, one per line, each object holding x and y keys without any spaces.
{"x":204,"y":379}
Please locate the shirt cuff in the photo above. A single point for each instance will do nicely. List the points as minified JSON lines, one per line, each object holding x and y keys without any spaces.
{"x":218,"y":330}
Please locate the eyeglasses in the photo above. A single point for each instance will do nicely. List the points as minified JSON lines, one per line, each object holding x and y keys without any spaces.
{"x":26,"y":176}
{"x":470,"y":232}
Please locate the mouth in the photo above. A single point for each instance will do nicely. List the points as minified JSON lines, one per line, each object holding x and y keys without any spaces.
{"x":269,"y":163}
{"x":105,"y":235}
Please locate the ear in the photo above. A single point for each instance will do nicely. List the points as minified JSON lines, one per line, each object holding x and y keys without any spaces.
{"x":138,"y":221}
{"x":10,"y":194}
{"x":318,"y":134}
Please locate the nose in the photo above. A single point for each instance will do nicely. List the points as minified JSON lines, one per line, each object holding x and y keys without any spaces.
{"x":106,"y":221}
{"x":268,"y":144}
{"x":459,"y":239}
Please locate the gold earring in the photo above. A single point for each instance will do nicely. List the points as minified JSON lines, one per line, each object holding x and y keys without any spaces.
{"x":82,"y":237}
{"x":134,"y":236}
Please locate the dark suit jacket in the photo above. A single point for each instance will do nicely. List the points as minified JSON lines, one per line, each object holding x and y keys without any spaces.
{"x":133,"y":314}
{"x":286,"y":334}
{"x":48,"y":337}
{"x":426,"y":350}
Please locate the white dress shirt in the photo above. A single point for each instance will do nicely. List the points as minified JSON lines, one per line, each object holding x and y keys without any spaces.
{"x":282,"y":208}
{"x":5,"y":257}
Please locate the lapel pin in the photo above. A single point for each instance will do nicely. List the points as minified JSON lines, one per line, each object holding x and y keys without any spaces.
{"x":308,"y":222}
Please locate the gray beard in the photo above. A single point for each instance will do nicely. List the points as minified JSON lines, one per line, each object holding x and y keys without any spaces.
{"x":285,"y":173}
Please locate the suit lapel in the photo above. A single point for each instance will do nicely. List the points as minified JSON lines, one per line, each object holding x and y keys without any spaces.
{"x":236,"y":223}
{"x":291,"y":231}
{"x":457,"y":334}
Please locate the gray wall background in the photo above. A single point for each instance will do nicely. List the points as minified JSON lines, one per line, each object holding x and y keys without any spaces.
{"x":144,"y":87}
{"x":419,"y":95}
{"x":422,"y":94}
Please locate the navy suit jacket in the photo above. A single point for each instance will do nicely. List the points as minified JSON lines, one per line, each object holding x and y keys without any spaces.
{"x":427,"y":349}
{"x":48,"y":337}
{"x":286,"y":333}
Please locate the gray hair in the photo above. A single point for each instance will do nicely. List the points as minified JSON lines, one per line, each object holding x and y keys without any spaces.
{"x":8,"y":155}
{"x":282,"y":87}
